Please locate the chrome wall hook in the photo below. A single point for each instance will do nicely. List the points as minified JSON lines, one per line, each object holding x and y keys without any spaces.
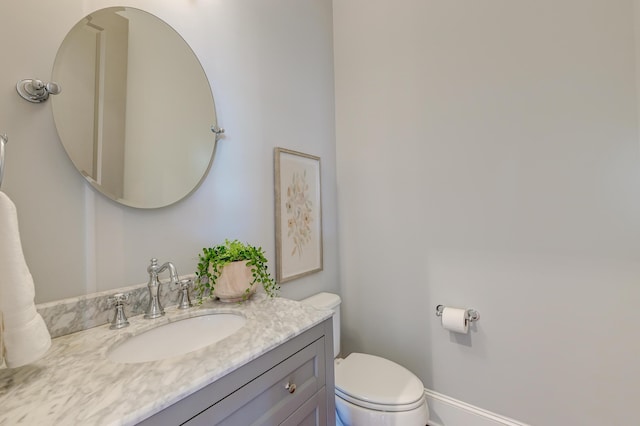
{"x":37,"y":91}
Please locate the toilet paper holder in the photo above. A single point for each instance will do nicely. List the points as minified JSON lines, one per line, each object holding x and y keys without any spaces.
{"x":471,"y":314}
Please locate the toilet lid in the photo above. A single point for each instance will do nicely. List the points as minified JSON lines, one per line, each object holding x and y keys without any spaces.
{"x":377,"y":383}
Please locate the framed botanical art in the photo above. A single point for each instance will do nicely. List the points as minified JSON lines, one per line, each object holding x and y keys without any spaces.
{"x":298,"y":214}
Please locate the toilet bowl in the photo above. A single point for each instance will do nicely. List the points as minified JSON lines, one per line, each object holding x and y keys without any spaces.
{"x":370,"y":390}
{"x":375,"y":391}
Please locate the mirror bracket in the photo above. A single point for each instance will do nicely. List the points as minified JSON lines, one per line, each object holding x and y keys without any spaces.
{"x":36,"y":91}
{"x":219,"y":131}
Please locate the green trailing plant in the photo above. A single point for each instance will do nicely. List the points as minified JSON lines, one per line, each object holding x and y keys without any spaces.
{"x":213,"y":259}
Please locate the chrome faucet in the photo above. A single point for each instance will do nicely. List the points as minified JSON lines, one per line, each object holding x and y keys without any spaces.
{"x":155,"y":309}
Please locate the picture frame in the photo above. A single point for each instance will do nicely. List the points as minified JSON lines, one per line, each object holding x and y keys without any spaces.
{"x":298,"y":214}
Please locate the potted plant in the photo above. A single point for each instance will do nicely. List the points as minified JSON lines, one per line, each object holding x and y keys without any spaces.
{"x":230,"y":272}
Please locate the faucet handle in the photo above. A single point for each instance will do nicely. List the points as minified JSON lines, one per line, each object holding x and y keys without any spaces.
{"x":119,"y":319}
{"x":118,"y":299}
{"x":185,"y":301}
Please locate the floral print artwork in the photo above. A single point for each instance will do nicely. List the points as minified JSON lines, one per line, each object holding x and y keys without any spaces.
{"x":298,"y":214}
{"x":299,"y":210}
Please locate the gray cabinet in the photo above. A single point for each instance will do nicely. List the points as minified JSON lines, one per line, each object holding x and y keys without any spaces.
{"x":290,"y":385}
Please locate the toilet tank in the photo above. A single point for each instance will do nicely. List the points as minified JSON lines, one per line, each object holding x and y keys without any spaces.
{"x":328,"y":301}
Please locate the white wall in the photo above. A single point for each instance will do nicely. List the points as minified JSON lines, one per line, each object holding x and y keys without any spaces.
{"x":271,"y":70}
{"x":488,"y":157}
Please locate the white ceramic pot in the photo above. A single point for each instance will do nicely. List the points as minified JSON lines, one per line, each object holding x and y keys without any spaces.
{"x":234,"y":282}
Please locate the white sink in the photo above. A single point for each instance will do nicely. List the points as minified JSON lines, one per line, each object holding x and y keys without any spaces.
{"x":176,"y":338}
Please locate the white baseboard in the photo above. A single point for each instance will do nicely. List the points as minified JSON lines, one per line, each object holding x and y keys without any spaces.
{"x":446,"y":411}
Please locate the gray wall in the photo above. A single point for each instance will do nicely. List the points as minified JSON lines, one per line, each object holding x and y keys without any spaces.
{"x":488,"y":157}
{"x":271,"y":69}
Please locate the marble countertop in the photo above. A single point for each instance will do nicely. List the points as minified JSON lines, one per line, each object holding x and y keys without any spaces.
{"x":75,"y":383}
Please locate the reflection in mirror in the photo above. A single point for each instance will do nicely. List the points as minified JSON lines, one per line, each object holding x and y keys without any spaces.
{"x":136,"y":112}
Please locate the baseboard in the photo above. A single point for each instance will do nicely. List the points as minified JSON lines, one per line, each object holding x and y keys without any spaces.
{"x":446,"y":411}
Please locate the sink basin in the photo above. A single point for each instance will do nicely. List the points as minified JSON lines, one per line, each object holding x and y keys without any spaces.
{"x":176,"y":338}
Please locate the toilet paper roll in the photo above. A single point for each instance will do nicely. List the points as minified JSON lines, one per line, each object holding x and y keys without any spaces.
{"x":455,"y":319}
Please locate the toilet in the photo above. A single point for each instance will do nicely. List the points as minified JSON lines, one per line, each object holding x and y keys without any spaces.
{"x":371,"y":390}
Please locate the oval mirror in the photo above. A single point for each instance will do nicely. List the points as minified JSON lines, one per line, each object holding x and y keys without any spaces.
{"x":136,"y":111}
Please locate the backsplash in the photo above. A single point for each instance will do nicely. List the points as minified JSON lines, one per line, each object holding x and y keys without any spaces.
{"x":75,"y":314}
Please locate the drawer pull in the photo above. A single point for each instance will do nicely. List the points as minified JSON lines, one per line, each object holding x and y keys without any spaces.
{"x":291,"y":387}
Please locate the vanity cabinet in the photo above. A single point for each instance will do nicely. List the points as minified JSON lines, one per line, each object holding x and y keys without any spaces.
{"x":292,"y":384}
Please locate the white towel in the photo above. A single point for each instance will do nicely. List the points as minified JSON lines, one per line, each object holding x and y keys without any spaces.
{"x":24,"y":333}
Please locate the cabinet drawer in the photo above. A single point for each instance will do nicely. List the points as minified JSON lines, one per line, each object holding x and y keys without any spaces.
{"x":266,"y":400}
{"x":312,"y":413}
